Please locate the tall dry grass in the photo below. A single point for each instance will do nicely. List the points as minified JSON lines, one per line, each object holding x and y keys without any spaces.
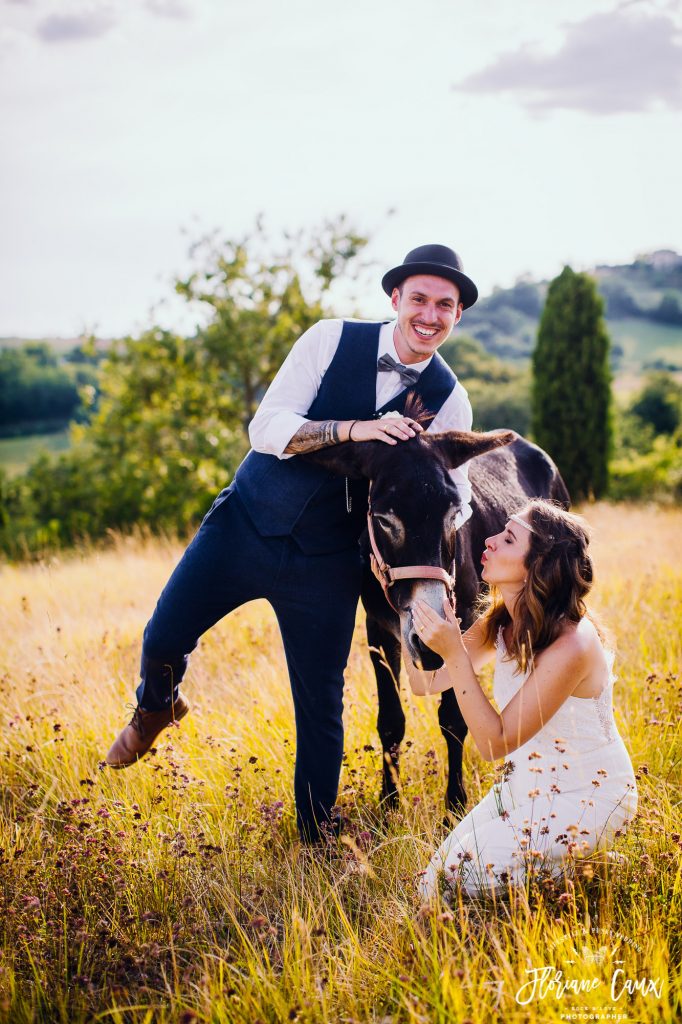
{"x":177,"y":891}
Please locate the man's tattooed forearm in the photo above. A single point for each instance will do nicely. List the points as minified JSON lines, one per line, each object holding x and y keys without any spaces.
{"x":313,"y":436}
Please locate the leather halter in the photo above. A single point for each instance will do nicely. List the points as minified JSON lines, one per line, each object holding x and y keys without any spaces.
{"x":388,"y":576}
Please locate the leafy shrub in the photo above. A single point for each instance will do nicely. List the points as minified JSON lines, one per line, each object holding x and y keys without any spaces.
{"x":659,"y":403}
{"x":655,"y":475}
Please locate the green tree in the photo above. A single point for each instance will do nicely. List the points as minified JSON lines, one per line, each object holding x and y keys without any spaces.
{"x":659,"y":403}
{"x":571,"y":390}
{"x":260,"y":301}
{"x":169,"y":428}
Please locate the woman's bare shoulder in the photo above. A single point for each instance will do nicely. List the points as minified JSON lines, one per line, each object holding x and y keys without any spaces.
{"x":579,"y":641}
{"x":579,"y":649}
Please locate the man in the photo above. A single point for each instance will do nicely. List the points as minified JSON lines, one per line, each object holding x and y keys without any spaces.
{"x":287,"y":530}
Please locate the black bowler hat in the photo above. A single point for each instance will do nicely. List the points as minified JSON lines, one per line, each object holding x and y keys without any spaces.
{"x":438,"y":260}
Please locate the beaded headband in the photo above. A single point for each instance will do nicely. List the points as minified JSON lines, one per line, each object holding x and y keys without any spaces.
{"x":527,"y":526}
{"x":522,"y":522}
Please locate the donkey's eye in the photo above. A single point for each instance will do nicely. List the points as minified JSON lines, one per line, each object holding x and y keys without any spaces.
{"x":451,"y":519}
{"x":392,"y":525}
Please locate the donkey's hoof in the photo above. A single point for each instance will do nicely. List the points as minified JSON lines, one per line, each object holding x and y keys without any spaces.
{"x":455,"y":809}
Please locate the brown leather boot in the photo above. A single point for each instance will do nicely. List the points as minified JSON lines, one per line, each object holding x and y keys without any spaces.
{"x":134,"y":741}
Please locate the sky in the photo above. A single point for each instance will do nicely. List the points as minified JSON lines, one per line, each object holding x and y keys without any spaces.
{"x":525,"y":136}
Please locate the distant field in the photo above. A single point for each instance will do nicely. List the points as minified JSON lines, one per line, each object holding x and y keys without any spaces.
{"x":644,"y":342}
{"x":16,"y":453}
{"x":59,"y":345}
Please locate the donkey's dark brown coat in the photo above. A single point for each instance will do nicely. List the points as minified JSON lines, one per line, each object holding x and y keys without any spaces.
{"x":410,"y":483}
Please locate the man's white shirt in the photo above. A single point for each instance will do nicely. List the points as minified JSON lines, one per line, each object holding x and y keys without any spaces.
{"x":282,"y":411}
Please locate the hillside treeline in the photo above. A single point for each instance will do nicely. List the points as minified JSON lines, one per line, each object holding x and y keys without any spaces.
{"x":642,"y":293}
{"x":38,"y":391}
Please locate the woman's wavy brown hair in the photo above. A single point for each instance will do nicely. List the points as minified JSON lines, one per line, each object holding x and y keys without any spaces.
{"x":559,"y":577}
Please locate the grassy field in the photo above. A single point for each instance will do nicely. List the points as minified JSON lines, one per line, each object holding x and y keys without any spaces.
{"x":644,"y":342}
{"x":176,"y":890}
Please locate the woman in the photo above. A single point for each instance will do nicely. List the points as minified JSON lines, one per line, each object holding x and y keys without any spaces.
{"x":569,"y":784}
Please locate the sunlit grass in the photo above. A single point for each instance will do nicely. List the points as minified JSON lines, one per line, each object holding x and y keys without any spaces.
{"x":176,"y":890}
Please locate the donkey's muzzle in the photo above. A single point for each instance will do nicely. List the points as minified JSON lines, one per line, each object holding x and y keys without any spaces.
{"x":430,"y":661}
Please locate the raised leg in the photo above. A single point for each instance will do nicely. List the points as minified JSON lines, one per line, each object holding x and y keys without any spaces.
{"x":225,"y":565}
{"x":219,"y":570}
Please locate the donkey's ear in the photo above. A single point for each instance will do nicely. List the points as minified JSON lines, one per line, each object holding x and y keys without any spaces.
{"x":458,"y":446}
{"x":349,"y":458}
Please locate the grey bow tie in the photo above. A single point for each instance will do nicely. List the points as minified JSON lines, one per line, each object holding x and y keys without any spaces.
{"x":407,"y":376}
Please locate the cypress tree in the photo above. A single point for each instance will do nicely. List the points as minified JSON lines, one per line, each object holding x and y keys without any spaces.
{"x":571,"y":391}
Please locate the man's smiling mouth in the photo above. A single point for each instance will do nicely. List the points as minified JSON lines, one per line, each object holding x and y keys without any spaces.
{"x":425,"y":332}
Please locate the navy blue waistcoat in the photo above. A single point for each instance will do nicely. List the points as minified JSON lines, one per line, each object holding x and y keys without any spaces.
{"x":294,"y":497}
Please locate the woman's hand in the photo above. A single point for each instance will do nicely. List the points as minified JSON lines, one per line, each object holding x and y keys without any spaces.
{"x":440,"y":635}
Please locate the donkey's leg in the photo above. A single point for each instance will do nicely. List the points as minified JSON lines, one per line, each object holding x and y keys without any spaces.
{"x":454,"y":730}
{"x":385,"y":654}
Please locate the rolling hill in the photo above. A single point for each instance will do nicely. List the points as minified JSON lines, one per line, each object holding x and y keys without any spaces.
{"x":643,"y":311}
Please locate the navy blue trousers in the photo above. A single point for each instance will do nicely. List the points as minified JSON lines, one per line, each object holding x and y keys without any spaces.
{"x":314,"y":597}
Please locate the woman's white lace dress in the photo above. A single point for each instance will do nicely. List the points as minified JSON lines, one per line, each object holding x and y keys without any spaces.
{"x":563,"y":793}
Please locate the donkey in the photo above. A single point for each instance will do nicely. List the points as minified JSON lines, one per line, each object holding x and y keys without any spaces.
{"x":411,"y":522}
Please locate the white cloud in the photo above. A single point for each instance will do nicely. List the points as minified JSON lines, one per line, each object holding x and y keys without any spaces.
{"x":79,"y":21}
{"x":610,"y":63}
{"x":89,"y":23}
